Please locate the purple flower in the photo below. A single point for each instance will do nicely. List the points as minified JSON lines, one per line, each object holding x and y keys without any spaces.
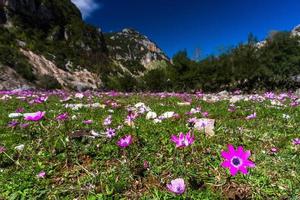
{"x":110,"y":132}
{"x":183,"y":140}
{"x":177,"y":186}
{"x":20,"y":110}
{"x":274,"y":150}
{"x":107,"y":121}
{"x":294,"y":104}
{"x":205,"y":114}
{"x":125,"y":141}
{"x":62,"y":117}
{"x":296,"y":141}
{"x":42,"y":174}
{"x":130,"y":118}
{"x":236,"y":160}
{"x":12,"y":124}
{"x":237,"y":92}
{"x":2,"y":149}
{"x":34,"y":116}
{"x":88,"y":121}
{"x":39,"y":100}
{"x":146,"y":164}
{"x":24,"y":125}
{"x":199,"y":94}
{"x":252,"y":116}
{"x":192,"y":120}
{"x":231,"y":108}
{"x":270,"y":95}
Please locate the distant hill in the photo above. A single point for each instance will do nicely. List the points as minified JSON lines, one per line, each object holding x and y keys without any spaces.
{"x":46,"y":44}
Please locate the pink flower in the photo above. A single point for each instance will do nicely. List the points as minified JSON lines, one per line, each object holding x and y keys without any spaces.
{"x":12,"y":124}
{"x":130,"y":118}
{"x":294,"y":104}
{"x":62,"y":117}
{"x":269,"y":95}
{"x":252,"y":116}
{"x":24,"y":125}
{"x":296,"y":141}
{"x":125,"y":141}
{"x":199,"y":94}
{"x":237,"y":92}
{"x":110,"y":132}
{"x":42,"y":174}
{"x":88,"y":121}
{"x":205,"y":114}
{"x":20,"y":110}
{"x":231,"y":108}
{"x":35,"y":116}
{"x":177,"y":186}
{"x":274,"y":150}
{"x":107,"y":121}
{"x":146,"y":164}
{"x":40,"y":100}
{"x":236,"y":160}
{"x":2,"y":149}
{"x":183,"y":140}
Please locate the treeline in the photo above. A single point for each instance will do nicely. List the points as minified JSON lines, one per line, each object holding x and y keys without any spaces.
{"x":274,"y":65}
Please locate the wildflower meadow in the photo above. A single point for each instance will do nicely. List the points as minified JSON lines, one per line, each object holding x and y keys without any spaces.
{"x":110,"y":145}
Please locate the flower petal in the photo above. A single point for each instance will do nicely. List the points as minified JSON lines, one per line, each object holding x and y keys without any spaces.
{"x":226,"y":164}
{"x":226,"y":155}
{"x":174,"y":138}
{"x":240,"y":151}
{"x":231,"y":149}
{"x":246,"y":155}
{"x":233,"y":171}
{"x":249,"y":163}
{"x":243,"y":169}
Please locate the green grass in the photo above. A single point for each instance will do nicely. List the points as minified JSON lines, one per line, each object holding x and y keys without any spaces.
{"x":96,"y":168}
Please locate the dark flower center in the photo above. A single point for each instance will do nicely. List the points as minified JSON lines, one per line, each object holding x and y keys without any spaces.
{"x":236,"y":161}
{"x":178,"y":189}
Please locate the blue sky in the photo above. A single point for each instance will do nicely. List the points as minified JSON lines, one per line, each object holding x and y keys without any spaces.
{"x":210,"y":25}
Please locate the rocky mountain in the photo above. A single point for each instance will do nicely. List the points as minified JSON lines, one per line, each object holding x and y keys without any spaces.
{"x":130,"y":48}
{"x":45,"y":43}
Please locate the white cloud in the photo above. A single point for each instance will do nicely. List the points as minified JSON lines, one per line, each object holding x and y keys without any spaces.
{"x":87,"y":7}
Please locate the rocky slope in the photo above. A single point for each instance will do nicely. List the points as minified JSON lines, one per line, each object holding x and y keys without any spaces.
{"x":49,"y":38}
{"x":130,"y":48}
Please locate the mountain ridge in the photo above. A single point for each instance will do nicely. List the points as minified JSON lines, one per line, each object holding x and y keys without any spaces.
{"x":55,"y":31}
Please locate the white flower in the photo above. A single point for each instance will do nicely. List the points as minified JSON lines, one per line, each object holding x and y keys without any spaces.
{"x":15,"y":115}
{"x":79,"y":95}
{"x":111,"y":111}
{"x":168,"y":114}
{"x":5,"y":97}
{"x":140,"y":104}
{"x":20,"y":147}
{"x":194,"y":111}
{"x":151,"y":115}
{"x":285,"y":116}
{"x":141,"y":108}
{"x":94,"y":133}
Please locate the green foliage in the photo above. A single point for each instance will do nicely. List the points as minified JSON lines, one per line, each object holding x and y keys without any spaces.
{"x":247,"y":66}
{"x":156,"y":80}
{"x":48,"y":82}
{"x":124,"y":82}
{"x":10,"y":56}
